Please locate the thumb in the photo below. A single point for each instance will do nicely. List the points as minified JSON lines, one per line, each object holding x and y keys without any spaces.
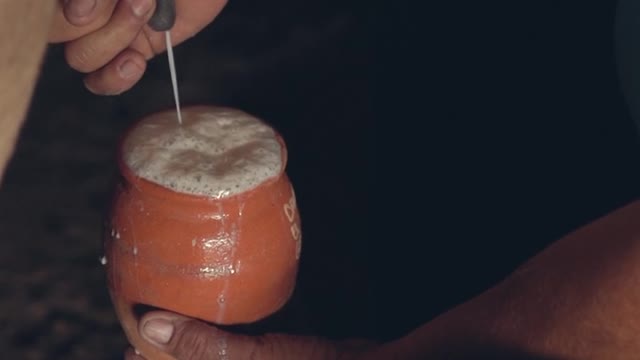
{"x":188,"y":339}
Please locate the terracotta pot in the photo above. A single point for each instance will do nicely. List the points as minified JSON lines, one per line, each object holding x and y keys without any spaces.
{"x":226,"y":261}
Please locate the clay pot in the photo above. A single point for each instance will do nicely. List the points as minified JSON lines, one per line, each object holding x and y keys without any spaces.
{"x":226,"y":261}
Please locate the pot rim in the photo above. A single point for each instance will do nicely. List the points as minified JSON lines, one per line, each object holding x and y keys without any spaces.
{"x":157,"y":190}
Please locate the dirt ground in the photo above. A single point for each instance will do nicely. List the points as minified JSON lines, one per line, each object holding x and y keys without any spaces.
{"x":301,"y":67}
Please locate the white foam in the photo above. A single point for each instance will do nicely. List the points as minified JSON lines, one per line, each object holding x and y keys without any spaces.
{"x":216,"y":152}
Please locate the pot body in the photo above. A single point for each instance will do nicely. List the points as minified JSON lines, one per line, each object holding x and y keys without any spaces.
{"x":228,"y":261}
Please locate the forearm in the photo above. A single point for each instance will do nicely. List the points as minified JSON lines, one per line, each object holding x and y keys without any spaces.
{"x":24,"y":27}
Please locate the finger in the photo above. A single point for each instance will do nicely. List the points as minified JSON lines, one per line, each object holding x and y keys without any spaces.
{"x":95,"y":50}
{"x":188,"y":23}
{"x":184,"y":338}
{"x":65,"y":27}
{"x":80,"y":12}
{"x":119,"y":75}
{"x":131,"y":354}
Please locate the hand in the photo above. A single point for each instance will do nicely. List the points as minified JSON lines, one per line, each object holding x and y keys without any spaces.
{"x":188,"y":339}
{"x":110,"y":41}
{"x":577,"y":299}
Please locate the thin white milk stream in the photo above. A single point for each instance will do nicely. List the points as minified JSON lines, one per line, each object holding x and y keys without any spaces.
{"x":174,"y":78}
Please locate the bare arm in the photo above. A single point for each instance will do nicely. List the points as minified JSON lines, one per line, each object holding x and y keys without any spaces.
{"x":24,"y":28}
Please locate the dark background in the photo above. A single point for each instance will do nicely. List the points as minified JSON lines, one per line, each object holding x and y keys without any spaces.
{"x":525,"y":137}
{"x":432,"y":150}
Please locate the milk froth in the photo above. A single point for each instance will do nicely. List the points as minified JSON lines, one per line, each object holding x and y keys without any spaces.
{"x":216,"y":152}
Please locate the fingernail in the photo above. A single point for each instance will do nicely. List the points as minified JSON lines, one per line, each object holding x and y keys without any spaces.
{"x":80,"y":8}
{"x":89,"y":87}
{"x":129,"y":69}
{"x":140,"y":8}
{"x":158,"y":330}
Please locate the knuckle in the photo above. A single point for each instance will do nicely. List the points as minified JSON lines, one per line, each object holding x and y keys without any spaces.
{"x":149,"y":45}
{"x":193,"y":342}
{"x":263,"y":348}
{"x":79,"y":58}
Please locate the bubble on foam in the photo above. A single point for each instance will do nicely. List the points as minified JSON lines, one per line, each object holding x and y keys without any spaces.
{"x":217,"y":152}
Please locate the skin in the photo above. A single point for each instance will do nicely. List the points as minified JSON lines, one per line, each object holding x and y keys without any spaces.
{"x":106,"y":39}
{"x":578,"y":299}
{"x":111,"y":42}
{"x":24,"y":27}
